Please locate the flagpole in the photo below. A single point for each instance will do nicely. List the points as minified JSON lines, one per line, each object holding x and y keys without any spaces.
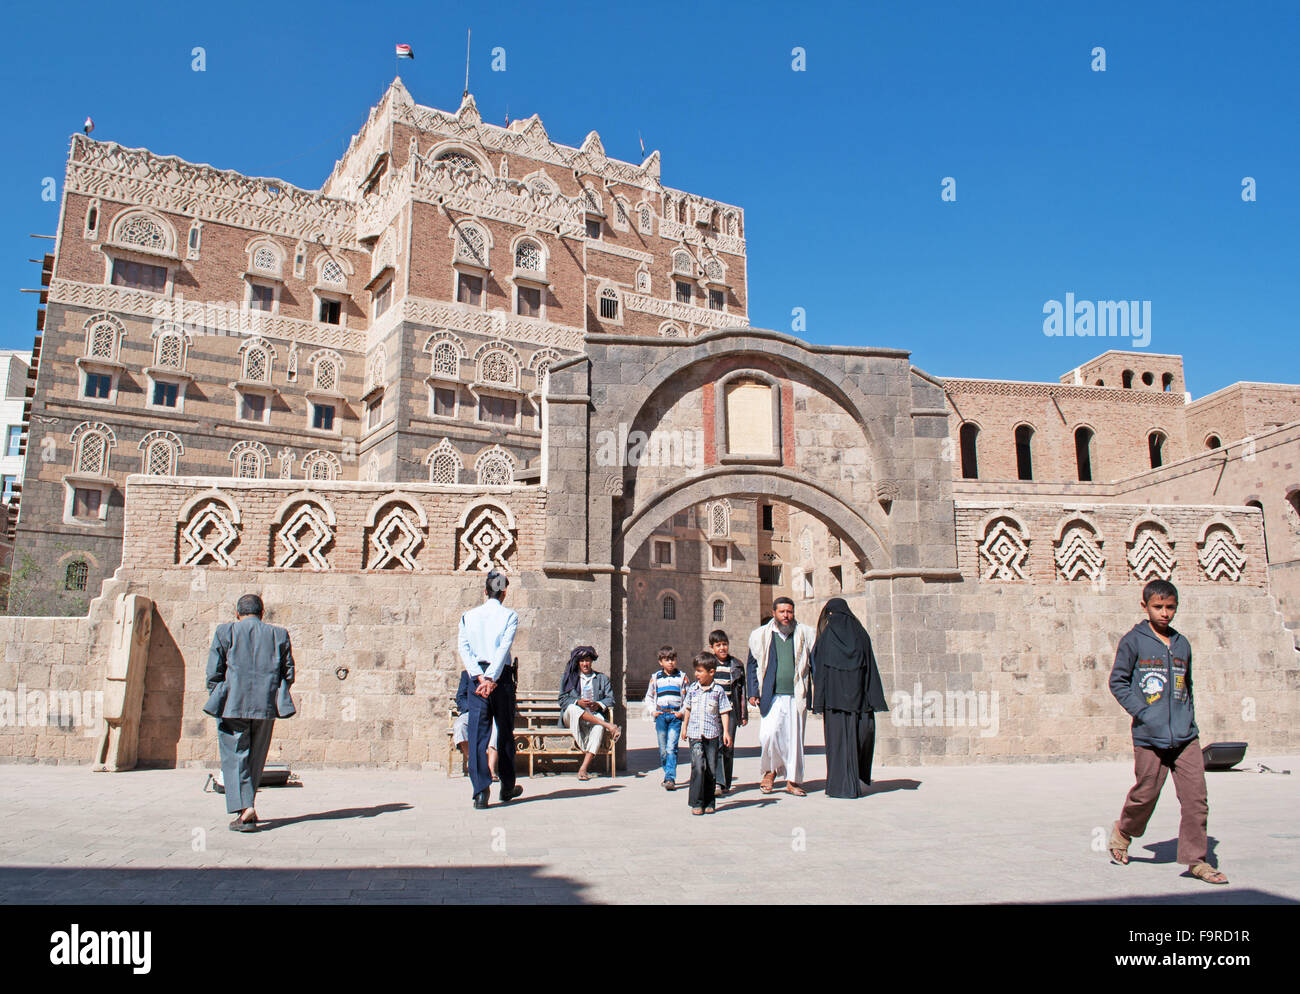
{"x":468,"y":31}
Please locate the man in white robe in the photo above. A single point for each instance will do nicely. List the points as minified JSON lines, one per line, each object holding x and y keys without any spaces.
{"x":778,"y":676}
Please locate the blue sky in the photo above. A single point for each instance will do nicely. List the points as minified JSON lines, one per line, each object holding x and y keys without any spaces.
{"x":1118,"y":184}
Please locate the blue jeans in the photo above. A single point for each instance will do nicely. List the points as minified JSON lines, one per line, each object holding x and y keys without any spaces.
{"x":669,"y":729}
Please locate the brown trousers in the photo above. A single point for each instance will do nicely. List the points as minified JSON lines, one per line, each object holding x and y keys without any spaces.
{"x":1151,"y":767}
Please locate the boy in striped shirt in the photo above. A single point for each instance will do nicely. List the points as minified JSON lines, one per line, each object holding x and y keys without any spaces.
{"x":730,"y":676}
{"x":663,"y":699}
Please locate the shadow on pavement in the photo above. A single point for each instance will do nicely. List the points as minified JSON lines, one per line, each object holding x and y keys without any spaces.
{"x":1167,"y":852}
{"x":340,"y":885}
{"x":269,"y":824}
{"x":1211,"y":895}
{"x":559,"y":795}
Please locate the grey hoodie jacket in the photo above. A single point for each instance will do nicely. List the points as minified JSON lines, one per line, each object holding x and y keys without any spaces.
{"x":1153,"y":682}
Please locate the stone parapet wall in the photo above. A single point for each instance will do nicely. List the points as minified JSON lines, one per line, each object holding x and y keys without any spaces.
{"x":331,"y":526}
{"x":1046,"y":653}
{"x":1099,"y":544}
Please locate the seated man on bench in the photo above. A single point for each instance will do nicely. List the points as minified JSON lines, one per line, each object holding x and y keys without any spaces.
{"x":586,"y":700}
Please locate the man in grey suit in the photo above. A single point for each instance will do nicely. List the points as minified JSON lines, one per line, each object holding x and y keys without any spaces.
{"x":250,"y":670}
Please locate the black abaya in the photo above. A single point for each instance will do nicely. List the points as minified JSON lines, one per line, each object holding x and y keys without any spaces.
{"x":850,"y":743}
{"x":846,"y":691}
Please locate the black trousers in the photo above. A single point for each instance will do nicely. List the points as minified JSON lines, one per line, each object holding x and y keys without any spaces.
{"x":726,"y":763}
{"x":497,"y":708}
{"x":704,"y":771}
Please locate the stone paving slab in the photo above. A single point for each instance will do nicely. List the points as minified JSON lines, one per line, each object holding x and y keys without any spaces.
{"x":925,"y":835}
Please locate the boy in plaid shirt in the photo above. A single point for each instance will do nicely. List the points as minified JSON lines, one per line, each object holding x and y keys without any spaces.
{"x":706,"y":717}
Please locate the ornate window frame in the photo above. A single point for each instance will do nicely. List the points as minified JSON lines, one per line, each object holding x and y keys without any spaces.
{"x":95,"y":477}
{"x":321,"y":457}
{"x":252,"y":452}
{"x":493,"y":454}
{"x":160,"y":372}
{"x":725,"y":455}
{"x":444,"y":342}
{"x":101,"y":327}
{"x":161,"y":438}
{"x":609,"y":290}
{"x":445,"y":450}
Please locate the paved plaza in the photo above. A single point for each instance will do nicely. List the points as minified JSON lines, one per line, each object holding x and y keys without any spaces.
{"x":925,"y":835}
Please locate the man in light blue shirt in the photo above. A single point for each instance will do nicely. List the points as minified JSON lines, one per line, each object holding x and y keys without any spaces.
{"x":486,"y":636}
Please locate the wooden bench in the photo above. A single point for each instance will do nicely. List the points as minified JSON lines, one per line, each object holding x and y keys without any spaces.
{"x":539,"y":735}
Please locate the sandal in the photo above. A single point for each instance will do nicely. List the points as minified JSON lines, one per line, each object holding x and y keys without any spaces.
{"x":697,"y":811}
{"x":1209,"y":874}
{"x":1118,"y":846}
{"x":795,"y":789}
{"x":709,"y":810}
{"x":615,"y":733}
{"x":769,"y":779}
{"x":584,"y":776}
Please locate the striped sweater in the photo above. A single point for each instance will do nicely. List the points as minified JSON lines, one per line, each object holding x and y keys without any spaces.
{"x":665,"y":692}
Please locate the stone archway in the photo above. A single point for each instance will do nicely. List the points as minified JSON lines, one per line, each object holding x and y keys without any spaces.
{"x":753,"y":482}
{"x":857,"y":440}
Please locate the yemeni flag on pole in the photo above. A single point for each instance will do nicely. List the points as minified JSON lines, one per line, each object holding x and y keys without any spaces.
{"x":404,"y":52}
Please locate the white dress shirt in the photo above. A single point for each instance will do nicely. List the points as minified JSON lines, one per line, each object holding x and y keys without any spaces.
{"x":486,"y":635}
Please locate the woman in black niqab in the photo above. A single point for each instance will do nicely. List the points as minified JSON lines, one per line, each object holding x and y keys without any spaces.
{"x":847,"y":692}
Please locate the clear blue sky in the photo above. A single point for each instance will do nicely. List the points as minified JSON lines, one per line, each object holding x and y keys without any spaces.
{"x":1117,"y":184}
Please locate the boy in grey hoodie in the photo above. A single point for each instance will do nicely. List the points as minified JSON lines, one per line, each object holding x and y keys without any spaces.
{"x":1152,"y":679}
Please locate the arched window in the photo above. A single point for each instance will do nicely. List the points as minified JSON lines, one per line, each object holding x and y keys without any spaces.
{"x":1100,"y":383}
{"x":444,"y":463}
{"x":1156,"y":448}
{"x":1126,"y":379}
{"x":376,"y":371}
{"x":1148,"y":379}
{"x":1260,"y":507}
{"x":266,"y":259}
{"x":609,"y":304}
{"x":1213,"y":442}
{"x":1024,"y":453}
{"x":332,"y":273}
{"x":250,"y":460}
{"x":719,"y":609}
{"x":160,"y":450}
{"x":459,"y":160}
{"x":170,"y":346}
{"x":1083,"y":452}
{"x":257,"y":362}
{"x":642,"y":281}
{"x":682,"y":263}
{"x":320,"y":465}
{"x":495,"y":468}
{"x":529,"y":257}
{"x":471,"y":244}
{"x":103,"y":342}
{"x":645,"y":219}
{"x":326,"y":374}
{"x":1167,"y":382}
{"x":969,"y":436}
{"x":76,"y":576}
{"x":92,"y":445}
{"x":446,"y":360}
{"x":670,"y":608}
{"x":498,"y":366}
{"x":720,"y":519}
{"x":143,"y":230}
